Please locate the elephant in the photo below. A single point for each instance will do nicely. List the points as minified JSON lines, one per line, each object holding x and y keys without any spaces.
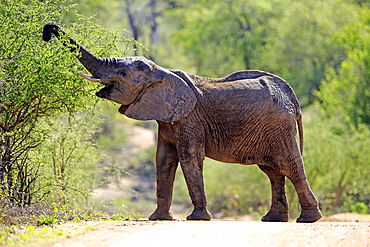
{"x":248,"y":117}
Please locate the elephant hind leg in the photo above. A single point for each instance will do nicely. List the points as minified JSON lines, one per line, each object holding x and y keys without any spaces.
{"x":279,"y":204}
{"x":310,"y":211}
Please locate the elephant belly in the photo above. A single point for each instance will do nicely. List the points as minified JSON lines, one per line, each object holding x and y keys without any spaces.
{"x":232,"y":156}
{"x":252,"y":144}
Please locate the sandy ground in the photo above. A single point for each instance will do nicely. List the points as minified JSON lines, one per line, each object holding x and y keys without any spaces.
{"x":220,"y":233}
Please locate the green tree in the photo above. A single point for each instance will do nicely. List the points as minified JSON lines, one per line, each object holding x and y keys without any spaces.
{"x":38,"y":80}
{"x":340,"y":161}
{"x":301,"y":46}
{"x":345,"y":91}
{"x":66,"y":160}
{"x":220,"y":37}
{"x":290,"y":39}
{"x":336,"y":159}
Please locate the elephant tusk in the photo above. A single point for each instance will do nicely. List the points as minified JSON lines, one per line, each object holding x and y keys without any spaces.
{"x":89,"y":77}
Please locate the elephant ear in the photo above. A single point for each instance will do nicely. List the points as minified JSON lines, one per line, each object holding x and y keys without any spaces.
{"x":168,"y":99}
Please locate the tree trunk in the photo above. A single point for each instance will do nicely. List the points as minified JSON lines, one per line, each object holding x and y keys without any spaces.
{"x":153,"y":25}
{"x":5,"y":166}
{"x":134,"y":27}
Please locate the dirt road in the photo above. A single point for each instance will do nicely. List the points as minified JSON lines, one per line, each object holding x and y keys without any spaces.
{"x":221,"y":233}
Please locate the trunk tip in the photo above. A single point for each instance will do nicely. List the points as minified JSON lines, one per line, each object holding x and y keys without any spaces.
{"x":49,"y":28}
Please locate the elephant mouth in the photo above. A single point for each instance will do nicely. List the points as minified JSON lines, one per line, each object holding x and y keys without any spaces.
{"x":105,"y":91}
{"x":122,"y":109}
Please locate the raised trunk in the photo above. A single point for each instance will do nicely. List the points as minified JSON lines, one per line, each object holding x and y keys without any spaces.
{"x":91,"y":62}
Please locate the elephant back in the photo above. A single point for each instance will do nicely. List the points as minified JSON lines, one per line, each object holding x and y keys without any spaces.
{"x":281,"y":92}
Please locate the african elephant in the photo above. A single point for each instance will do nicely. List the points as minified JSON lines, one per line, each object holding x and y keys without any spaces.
{"x":247,"y":117}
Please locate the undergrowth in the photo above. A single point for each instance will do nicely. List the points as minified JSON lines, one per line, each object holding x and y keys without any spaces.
{"x":21,"y":224}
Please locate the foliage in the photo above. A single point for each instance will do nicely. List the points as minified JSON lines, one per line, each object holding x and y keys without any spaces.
{"x":345,"y":100}
{"x":302,"y":43}
{"x":336,"y":159}
{"x":123,"y":214}
{"x":290,"y":39}
{"x":119,"y":160}
{"x":66,"y":160}
{"x":233,"y":32}
{"x":29,"y":91}
{"x":25,"y":235}
{"x":39,"y":81}
{"x":345,"y":92}
{"x":127,"y":166}
{"x":234,"y":189}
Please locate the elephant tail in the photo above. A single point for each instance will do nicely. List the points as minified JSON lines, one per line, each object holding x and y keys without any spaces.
{"x":300,"y":132}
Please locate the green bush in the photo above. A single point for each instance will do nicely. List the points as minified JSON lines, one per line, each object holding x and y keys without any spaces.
{"x":67,"y":160}
{"x":336,"y":160}
{"x":47,"y":130}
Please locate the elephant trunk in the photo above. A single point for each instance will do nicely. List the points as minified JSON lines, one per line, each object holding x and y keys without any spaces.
{"x":91,"y":62}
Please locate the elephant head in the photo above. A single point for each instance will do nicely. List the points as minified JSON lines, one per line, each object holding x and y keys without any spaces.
{"x":145,"y":90}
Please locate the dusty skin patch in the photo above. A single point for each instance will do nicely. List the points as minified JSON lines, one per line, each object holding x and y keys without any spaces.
{"x":220,"y":233}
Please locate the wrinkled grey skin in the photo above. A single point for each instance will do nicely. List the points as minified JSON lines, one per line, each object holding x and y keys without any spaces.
{"x":248,"y":117}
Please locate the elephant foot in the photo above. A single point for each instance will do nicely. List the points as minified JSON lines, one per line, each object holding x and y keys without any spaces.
{"x":199,"y":214}
{"x":309,"y":215}
{"x":275,"y":216}
{"x":157,"y":215}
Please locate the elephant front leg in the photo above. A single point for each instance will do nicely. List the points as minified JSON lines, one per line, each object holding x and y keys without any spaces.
{"x":192,"y":168}
{"x":279,"y":204}
{"x":166,"y":163}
